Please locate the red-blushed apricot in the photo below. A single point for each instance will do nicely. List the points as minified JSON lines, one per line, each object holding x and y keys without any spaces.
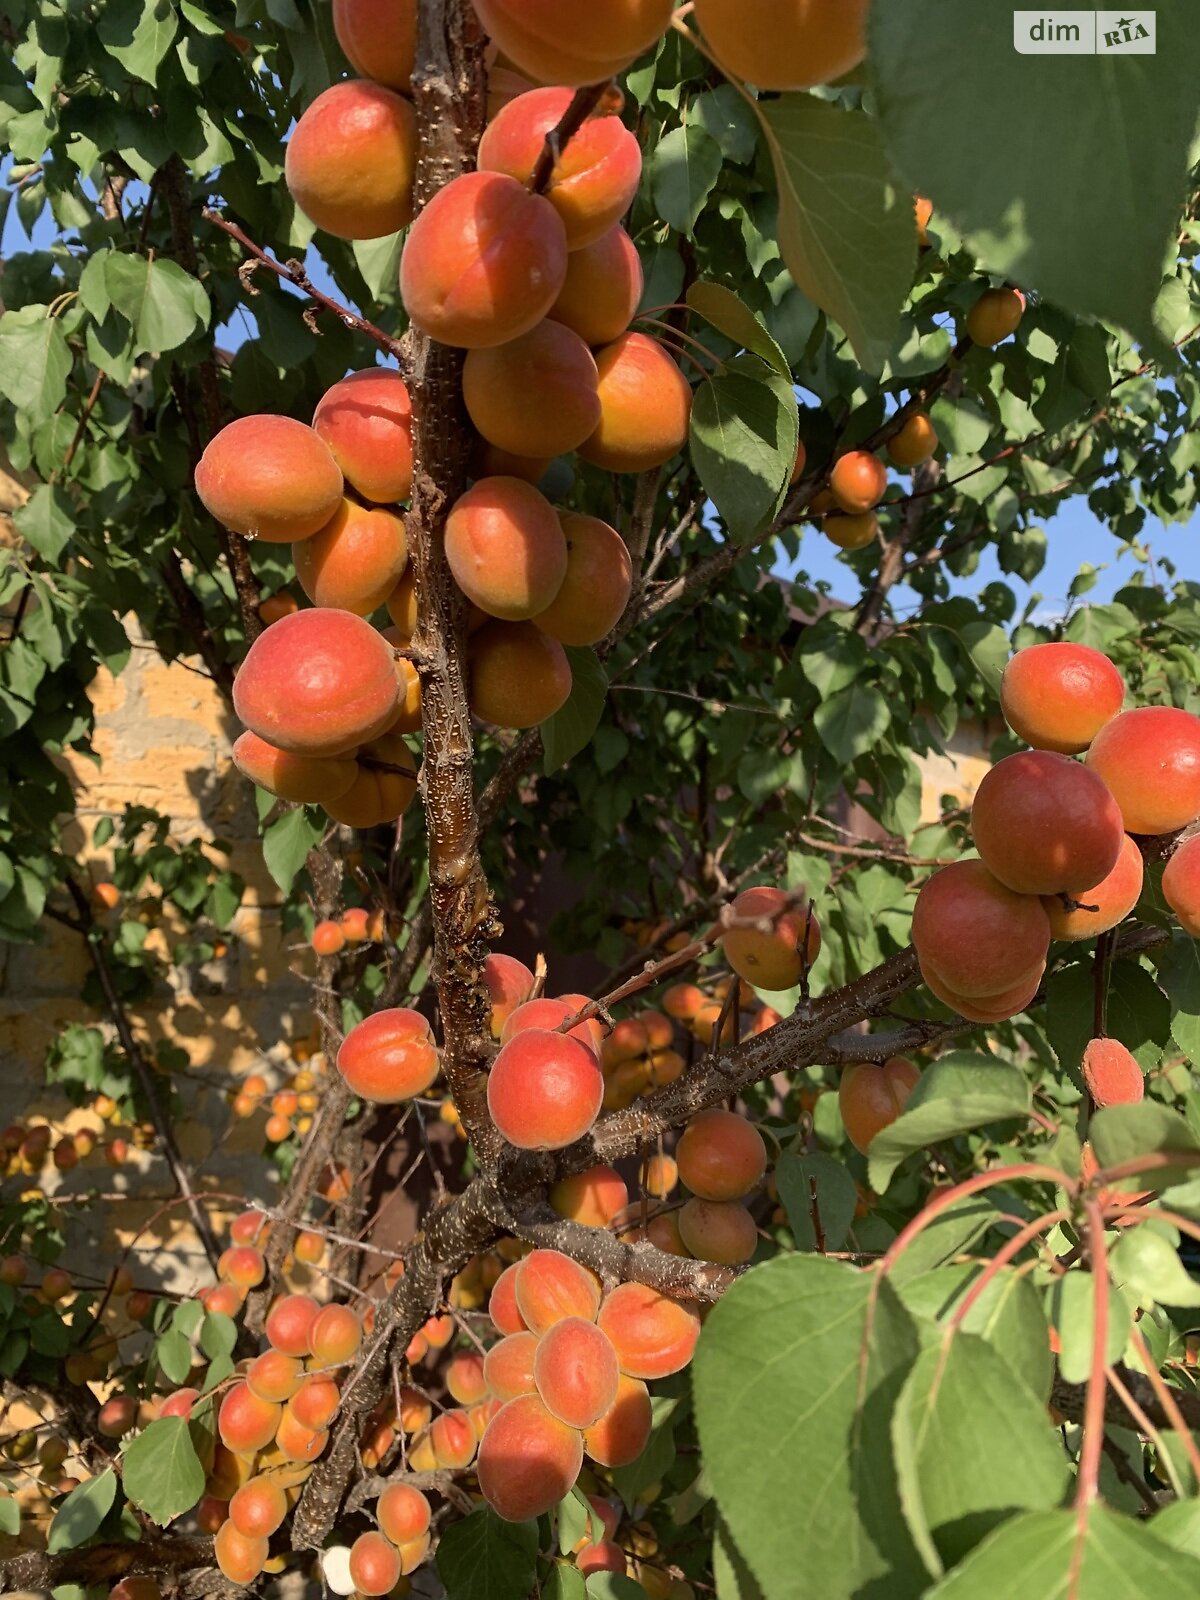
{"x":1150,"y":759}
{"x":575,"y":1369}
{"x":275,"y":606}
{"x":258,"y":1508}
{"x":777,"y":955}
{"x":240,"y":1559}
{"x":420,"y":1454}
{"x":402,"y":605}
{"x":791,"y":44}
{"x":242,"y":1264}
{"x":915,"y":443}
{"x":270,"y":478}
{"x":645,"y":406}
{"x":366,"y":420}
{"x":720,"y":1156}
{"x":413,"y":1552}
{"x":408,"y":697}
{"x":576,"y":47}
{"x":1112,"y":1076}
{"x":378,"y":38}
{"x":990,"y":1007}
{"x":384,"y":786}
{"x":622,"y":1432}
{"x":453,"y":1439}
{"x":1045,"y":824}
{"x":549,"y":1012}
{"x":663,"y":1233}
{"x":528,"y":1460}
{"x":211,"y":1513}
{"x":652,"y":1335}
{"x":275,"y":1377}
{"x":1181,"y":885}
{"x":536,"y":396}
{"x":355,"y":561}
{"x":660,"y":1174}
{"x":307,"y":779}
{"x":506,"y":548}
{"x":226,"y":1298}
{"x":439,"y":1331}
{"x":335,"y":1336}
{"x":871,"y":1097}
{"x":508,"y":1365}
{"x":995,"y":315}
{"x":658,"y":1028}
{"x":603,"y":1557}
{"x":465,"y":1378}
{"x":544,"y":1090}
{"x":318,"y":683}
{"x":354,"y":926}
{"x":551,"y":1287}
{"x":117,"y":1416}
{"x":295,"y":1442}
{"x":349,"y":162}
{"x":593,"y":1197}
{"x":857,"y":481}
{"x":374,"y":1564}
{"x":483,"y":263}
{"x":596,"y":176}
{"x":626,"y":1042}
{"x":1059,"y":696}
{"x":1108,"y":902}
{"x":289,"y":1324}
{"x":403,"y":1513}
{"x":602,"y":289}
{"x":509,"y":983}
{"x":718,"y":1230}
{"x":315,"y":1402}
{"x":519,"y":675}
{"x":181,"y":1402}
{"x":502,"y":1303}
{"x":596,"y":588}
{"x":246,"y":1423}
{"x":416,"y":1411}
{"x":389,"y":1056}
{"x":977,"y":936}
{"x":251,"y":1227}
{"x":682,"y":1001}
{"x":136,"y":1589}
{"x":309,"y":1248}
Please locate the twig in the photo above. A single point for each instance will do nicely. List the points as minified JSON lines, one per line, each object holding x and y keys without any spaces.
{"x":583,"y":102}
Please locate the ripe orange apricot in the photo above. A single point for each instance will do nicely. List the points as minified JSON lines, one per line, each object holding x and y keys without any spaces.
{"x":402,"y":604}
{"x":389,"y":1056}
{"x":791,"y":44}
{"x":251,"y":1227}
{"x":275,"y":1377}
{"x":851,"y":533}
{"x":509,"y":984}
{"x":857,"y":481}
{"x":977,"y":937}
{"x":240,"y":1559}
{"x":775,"y":957}
{"x":550,"y":1287}
{"x":318,"y":683}
{"x":594,"y":180}
{"x":258,"y":1508}
{"x":355,"y":561}
{"x":871,"y":1097}
{"x":453,"y":1439}
{"x":519,"y":675}
{"x":1112,"y":1076}
{"x":308,"y":779}
{"x":1181,"y":885}
{"x":1045,"y":824}
{"x":403,"y":1513}
{"x":350,"y":159}
{"x":413,"y":1552}
{"x":551,"y":1011}
{"x":246,"y":1423}
{"x":116,"y":1416}
{"x":596,"y":588}
{"x":575,"y":1369}
{"x":923,"y":210}
{"x":652,"y":1335}
{"x":315,"y":1402}
{"x":242,"y":1264}
{"x":385,"y":784}
{"x":508,"y":1366}
{"x":602,"y":289}
{"x":660,"y":1175}
{"x":603,"y":1557}
{"x":1150,"y":759}
{"x":536,"y":396}
{"x":718,"y":1230}
{"x":378,"y":38}
{"x":1058,"y":696}
{"x":270,"y":478}
{"x":295,"y":1442}
{"x":335,"y":1336}
{"x":721,"y":1156}
{"x":528,"y":1460}
{"x":327,"y":936}
{"x":593,"y":1197}
{"x":366,"y":420}
{"x":995,"y":315}
{"x":621,"y":1434}
{"x":408,"y":699}
{"x":374,"y":1564}
{"x":502,"y":1303}
{"x":506,"y":549}
{"x":275,"y":606}
{"x":1112,"y":899}
{"x":544,"y":1090}
{"x":180,"y":1403}
{"x":575,"y":47}
{"x":645,"y":406}
{"x":484,"y":261}
{"x":915,"y":443}
{"x":465,"y":1378}
{"x":682,"y":1001}
{"x":289,"y":1324}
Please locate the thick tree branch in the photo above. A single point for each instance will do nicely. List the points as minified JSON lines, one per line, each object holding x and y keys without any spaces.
{"x":154,"y":1554}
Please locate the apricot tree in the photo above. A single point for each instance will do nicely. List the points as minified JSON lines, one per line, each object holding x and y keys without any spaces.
{"x":836,"y":1242}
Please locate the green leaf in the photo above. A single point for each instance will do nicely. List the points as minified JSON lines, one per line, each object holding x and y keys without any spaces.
{"x":574,"y":1518}
{"x":852,"y":721}
{"x":1178,"y":1525}
{"x":1122,"y":1133}
{"x":1072,"y":1311}
{"x":613,"y":1586}
{"x":794,"y":1379}
{"x":379,"y":261}
{"x":287,"y":842}
{"x":174,"y":1355}
{"x":816,"y":1182}
{"x":162,"y":1473}
{"x":35,"y":360}
{"x":962,"y":111}
{"x":45,"y":521}
{"x":955,"y":1094}
{"x":685,"y":165}
{"x":743,"y":442}
{"x":138,"y":34}
{"x":723,"y":114}
{"x":485,"y":1558}
{"x":564,"y":1583}
{"x":570,"y":729}
{"x":82,"y":1512}
{"x":10,"y":1515}
{"x":731,"y":316}
{"x":1179,"y":974}
{"x":1148,"y":1266}
{"x":988,"y":647}
{"x":846,"y":226}
{"x":164,"y":304}
{"x":950,"y":1233}
{"x":1007,"y":1313}
{"x":218,"y":1335}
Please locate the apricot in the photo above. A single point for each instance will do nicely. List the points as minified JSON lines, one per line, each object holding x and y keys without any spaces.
{"x":355,"y":561}
{"x":597,"y":585}
{"x":226,"y":1298}
{"x":1150,"y":759}
{"x":536,"y":396}
{"x":384,"y":786}
{"x":275,"y":606}
{"x":550,"y":1012}
{"x":318,"y":683}
{"x":1110,"y":901}
{"x":645,"y":407}
{"x":720,"y":1155}
{"x":790,"y":44}
{"x":976,"y":935}
{"x":136,"y":1589}
{"x":923,"y":211}
{"x":374,"y":1564}
{"x":413,"y":1553}
{"x":622,"y":1432}
{"x":402,"y":605}
{"x":335,"y":1336}
{"x":508,"y":1366}
{"x":871,"y":1097}
{"x":117,"y":1416}
{"x":593,"y":1197}
{"x":403,"y":1513}
{"x":315,"y":1402}
{"x":576,"y":47}
{"x":1059,"y":696}
{"x":1112,"y":1076}
{"x":295,"y":1442}
{"x":777,"y":957}
{"x":551,"y":1287}
{"x":378,"y":38}
{"x":652,"y":1335}
{"x":682,"y":1001}
{"x":180,"y":1403}
{"x":509,"y":984}
{"x":998,"y":1007}
{"x":240,"y":1558}
{"x":915,"y":443}
{"x":995,"y":315}
{"x":389,"y":1056}
{"x":366,"y":420}
{"x":602,"y":289}
{"x":327,"y":936}
{"x":660,"y":1176}
{"x":718,"y":1230}
{"x":453,"y":1439}
{"x":465,"y":1378}
{"x":575,"y":1369}
{"x":415,"y":1410}
{"x":1181,"y":885}
{"x":594,"y":180}
{"x":1045,"y":824}
{"x":520,"y":676}
{"x":857,"y":481}
{"x":603,"y":1557}
{"x":242,"y":1264}
{"x":275,"y":1377}
{"x":506,"y":548}
{"x":502,"y":1303}
{"x":439,"y":1331}
{"x":258,"y":1508}
{"x":290,"y":1322}
{"x":483,"y":263}
{"x":528,"y":1460}
{"x":246,"y":1423}
{"x":544,"y":1090}
{"x":350,"y":159}
{"x":269,"y":478}
{"x":307,"y":779}
{"x":251,"y":1227}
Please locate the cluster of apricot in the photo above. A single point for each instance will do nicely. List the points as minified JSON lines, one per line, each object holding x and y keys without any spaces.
{"x":357,"y":925}
{"x":290,"y":1108}
{"x":25,"y":1148}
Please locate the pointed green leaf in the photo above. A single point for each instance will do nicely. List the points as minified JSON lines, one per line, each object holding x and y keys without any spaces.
{"x":851,"y":721}
{"x":685,"y":165}
{"x":743,"y":442}
{"x":82,"y":1512}
{"x":35,"y":360}
{"x":814,"y":1188}
{"x":287,"y":842}
{"x":162,"y":1473}
{"x":485,"y":1558}
{"x":956,"y":1094}
{"x":570,"y":729}
{"x":734,"y":318}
